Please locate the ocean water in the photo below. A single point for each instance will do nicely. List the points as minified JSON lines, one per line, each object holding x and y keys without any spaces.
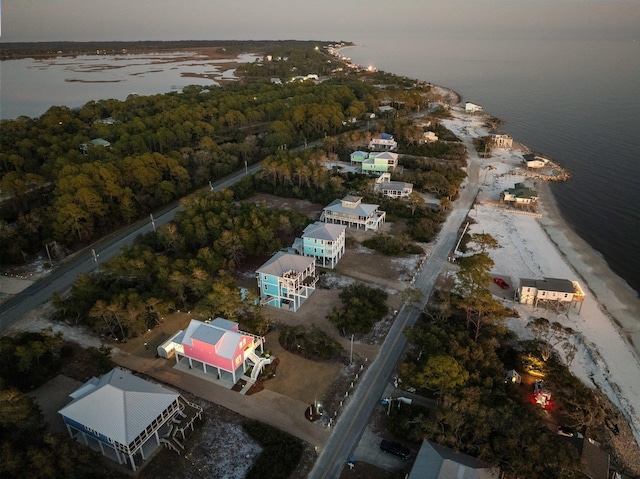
{"x":574,"y":100}
{"x":566,"y":96}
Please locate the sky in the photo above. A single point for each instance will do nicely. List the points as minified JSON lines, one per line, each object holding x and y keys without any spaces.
{"x":326,"y":20}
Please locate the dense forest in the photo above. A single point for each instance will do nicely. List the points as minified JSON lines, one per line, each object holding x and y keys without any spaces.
{"x":459,"y":352}
{"x":27,"y":448}
{"x":60,"y":187}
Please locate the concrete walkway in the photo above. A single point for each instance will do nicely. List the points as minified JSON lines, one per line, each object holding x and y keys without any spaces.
{"x":267,"y":406}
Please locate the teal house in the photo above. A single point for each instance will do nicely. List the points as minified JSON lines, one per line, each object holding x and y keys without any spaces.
{"x":286,"y":281}
{"x":323,"y":241}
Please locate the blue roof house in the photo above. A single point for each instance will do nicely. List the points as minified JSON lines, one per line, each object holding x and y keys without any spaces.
{"x":286,"y":280}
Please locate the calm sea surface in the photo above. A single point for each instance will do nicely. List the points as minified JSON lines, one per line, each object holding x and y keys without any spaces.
{"x":30,"y":87}
{"x":575,"y":101}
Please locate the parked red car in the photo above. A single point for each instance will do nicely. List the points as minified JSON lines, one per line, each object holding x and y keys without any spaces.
{"x":501,"y":282}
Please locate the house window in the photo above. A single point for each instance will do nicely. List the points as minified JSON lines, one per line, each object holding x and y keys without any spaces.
{"x":566,"y":295}
{"x":265,"y":287}
{"x":544,"y":293}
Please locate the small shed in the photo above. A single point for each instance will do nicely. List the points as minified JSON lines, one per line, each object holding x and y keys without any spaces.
{"x":167,"y":349}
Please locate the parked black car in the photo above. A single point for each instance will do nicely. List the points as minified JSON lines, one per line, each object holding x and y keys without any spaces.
{"x":395,"y":449}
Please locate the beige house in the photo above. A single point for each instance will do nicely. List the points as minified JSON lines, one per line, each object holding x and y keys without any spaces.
{"x":504,"y":142}
{"x":429,"y":137}
{"x":351,"y":212}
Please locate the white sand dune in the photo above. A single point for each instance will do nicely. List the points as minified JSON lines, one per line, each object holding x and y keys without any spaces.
{"x":608,"y":324}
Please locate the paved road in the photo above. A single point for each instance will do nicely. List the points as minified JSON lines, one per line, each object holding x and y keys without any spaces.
{"x":84,"y":261}
{"x":352,"y":422}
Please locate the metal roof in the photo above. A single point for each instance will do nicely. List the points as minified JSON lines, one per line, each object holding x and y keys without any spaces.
{"x":119,"y":405}
{"x":282,"y":262}
{"x":438,"y":462}
{"x":549,"y":284}
{"x":324,"y":231}
{"x":219,"y":333}
{"x":363,"y":209}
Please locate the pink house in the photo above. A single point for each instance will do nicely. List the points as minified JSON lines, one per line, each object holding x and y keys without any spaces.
{"x":220,"y":344}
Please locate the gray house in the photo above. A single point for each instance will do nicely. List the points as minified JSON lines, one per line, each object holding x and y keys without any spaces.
{"x":438,"y":462}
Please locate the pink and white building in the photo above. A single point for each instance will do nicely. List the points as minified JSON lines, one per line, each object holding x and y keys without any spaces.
{"x":220,"y":345}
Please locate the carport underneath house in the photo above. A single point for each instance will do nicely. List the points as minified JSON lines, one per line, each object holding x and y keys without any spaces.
{"x":127,"y":418}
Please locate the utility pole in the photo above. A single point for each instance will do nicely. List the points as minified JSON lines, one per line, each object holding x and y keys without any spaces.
{"x":351,"y":356}
{"x":153,"y":222}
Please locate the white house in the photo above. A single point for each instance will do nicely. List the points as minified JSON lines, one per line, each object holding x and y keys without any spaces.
{"x":472,"y":107}
{"x":532,"y":291}
{"x":323,"y":241}
{"x":534,"y":161}
{"x":351,"y":212}
{"x":383,"y":141}
{"x":392,"y":189}
{"x":286,"y":280}
{"x":126,"y":417}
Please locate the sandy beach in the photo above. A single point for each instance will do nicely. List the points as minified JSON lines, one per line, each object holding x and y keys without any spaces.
{"x":607,"y":332}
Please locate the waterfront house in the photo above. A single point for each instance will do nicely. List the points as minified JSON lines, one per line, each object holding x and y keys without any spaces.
{"x":380,"y":162}
{"x":383,"y":142}
{"x":126,"y":417}
{"x":323,"y":241}
{"x":392,"y":189}
{"x":353,"y":213}
{"x":470,"y":107}
{"x":438,"y":462}
{"x":286,"y":280}
{"x":501,"y":141}
{"x":219,"y":345}
{"x":519,"y":195}
{"x":549,"y":290}
{"x":534,"y":161}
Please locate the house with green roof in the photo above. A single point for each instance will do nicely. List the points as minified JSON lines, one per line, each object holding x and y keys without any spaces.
{"x":519,"y":195}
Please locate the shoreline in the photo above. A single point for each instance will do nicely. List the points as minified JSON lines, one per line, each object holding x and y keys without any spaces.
{"x":619,"y":301}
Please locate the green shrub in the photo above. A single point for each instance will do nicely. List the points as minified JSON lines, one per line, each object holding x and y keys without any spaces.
{"x":281,"y":452}
{"x":311,"y":343}
{"x":362,"y":307}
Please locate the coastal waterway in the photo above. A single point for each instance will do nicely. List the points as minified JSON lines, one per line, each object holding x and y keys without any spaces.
{"x":551,"y":94}
{"x":573,"y":100}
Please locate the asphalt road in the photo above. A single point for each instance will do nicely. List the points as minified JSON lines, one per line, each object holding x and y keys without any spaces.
{"x":352,"y":423}
{"x":84,"y":261}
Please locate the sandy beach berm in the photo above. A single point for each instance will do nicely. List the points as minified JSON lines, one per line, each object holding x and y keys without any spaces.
{"x":607,"y":333}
